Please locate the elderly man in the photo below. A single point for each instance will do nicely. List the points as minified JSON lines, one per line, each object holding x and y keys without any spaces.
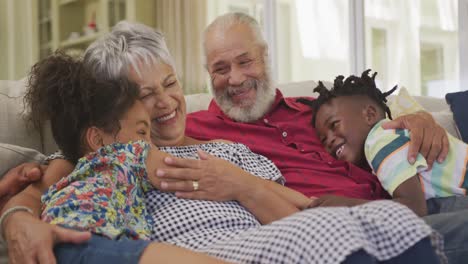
{"x":247,"y":109}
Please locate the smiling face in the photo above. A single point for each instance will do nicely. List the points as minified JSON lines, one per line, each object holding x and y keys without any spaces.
{"x":343,"y":124}
{"x":134,"y":125}
{"x":239,"y":74}
{"x":164,"y":100}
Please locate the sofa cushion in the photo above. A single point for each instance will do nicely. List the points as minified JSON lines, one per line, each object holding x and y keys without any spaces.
{"x":404,"y":103}
{"x":458,"y":103}
{"x":13,"y":128}
{"x":12,"y":156}
{"x":445,"y":119}
{"x":197,"y":102}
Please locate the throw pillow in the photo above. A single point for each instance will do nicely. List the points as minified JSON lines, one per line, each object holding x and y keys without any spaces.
{"x":403,"y":104}
{"x":458,"y":103}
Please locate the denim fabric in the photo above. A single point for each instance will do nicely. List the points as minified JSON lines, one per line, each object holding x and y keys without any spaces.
{"x":101,"y":250}
{"x":421,"y":252}
{"x":446,"y":204}
{"x":449,"y":216}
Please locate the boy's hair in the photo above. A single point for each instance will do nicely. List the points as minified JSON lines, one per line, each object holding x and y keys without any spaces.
{"x":353,"y":85}
{"x":61,"y":90}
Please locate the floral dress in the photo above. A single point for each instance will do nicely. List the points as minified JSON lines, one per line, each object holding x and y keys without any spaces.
{"x":104,"y":194}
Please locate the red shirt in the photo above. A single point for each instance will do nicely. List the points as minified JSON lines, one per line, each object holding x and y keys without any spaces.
{"x":286,"y":136}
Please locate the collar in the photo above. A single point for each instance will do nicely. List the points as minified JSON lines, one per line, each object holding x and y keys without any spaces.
{"x":290,"y":102}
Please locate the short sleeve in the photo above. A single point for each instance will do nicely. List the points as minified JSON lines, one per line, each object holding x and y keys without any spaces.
{"x":258,"y":165}
{"x":386,"y":152}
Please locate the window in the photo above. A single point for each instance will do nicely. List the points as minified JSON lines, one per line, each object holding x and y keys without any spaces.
{"x":253,"y":8}
{"x":413,"y":44}
{"x":312,"y":40}
{"x":379,"y":53}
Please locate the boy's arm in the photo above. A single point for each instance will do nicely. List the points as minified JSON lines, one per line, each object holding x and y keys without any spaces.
{"x":410,"y":194}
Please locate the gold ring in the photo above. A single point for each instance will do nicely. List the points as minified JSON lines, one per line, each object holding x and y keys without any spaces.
{"x":195,"y":185}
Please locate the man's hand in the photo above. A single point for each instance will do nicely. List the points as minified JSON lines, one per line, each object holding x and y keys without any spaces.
{"x":31,"y":241}
{"x":427,"y":137}
{"x":333,"y":200}
{"x":19,"y":178}
{"x":209,"y":178}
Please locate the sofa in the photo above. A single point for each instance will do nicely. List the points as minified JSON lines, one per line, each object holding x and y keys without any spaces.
{"x":20,"y":142}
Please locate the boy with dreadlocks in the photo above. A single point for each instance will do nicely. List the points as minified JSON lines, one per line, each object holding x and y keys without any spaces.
{"x":348,"y":120}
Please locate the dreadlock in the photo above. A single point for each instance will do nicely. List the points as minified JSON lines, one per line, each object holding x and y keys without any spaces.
{"x":353,"y":85}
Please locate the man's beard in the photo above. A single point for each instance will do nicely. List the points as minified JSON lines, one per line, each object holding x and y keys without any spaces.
{"x":249,"y":110}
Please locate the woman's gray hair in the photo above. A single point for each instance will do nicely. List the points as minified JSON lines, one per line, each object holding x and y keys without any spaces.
{"x":128,"y":45}
{"x":228,"y":20}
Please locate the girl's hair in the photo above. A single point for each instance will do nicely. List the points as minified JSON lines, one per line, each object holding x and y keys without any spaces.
{"x":353,"y":85}
{"x":62,"y":90}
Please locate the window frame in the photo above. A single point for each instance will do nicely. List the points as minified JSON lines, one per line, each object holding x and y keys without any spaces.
{"x":357,"y":37}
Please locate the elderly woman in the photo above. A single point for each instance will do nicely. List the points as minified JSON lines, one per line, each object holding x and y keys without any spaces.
{"x":230,"y":230}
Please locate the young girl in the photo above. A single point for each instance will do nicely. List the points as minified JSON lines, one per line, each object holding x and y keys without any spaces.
{"x":107,"y":124}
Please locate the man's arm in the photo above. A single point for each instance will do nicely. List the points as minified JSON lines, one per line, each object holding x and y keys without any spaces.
{"x":410,"y":194}
{"x":427,"y":137}
{"x":220,"y":180}
{"x":265,"y":199}
{"x":295,"y":198}
{"x":29,"y":239}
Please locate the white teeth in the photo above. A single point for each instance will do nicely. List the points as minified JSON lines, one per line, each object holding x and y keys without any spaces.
{"x":339,"y":151}
{"x":167,"y":117}
{"x":238,"y":91}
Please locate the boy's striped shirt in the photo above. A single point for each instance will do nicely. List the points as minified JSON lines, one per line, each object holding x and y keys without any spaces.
{"x":387,"y":152}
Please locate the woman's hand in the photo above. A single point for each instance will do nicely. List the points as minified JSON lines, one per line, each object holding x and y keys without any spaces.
{"x":209,"y":178}
{"x":427,"y":137}
{"x":31,"y":241}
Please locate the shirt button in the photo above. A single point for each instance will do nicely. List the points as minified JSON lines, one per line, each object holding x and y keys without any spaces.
{"x":284,"y":134}
{"x":265,"y":120}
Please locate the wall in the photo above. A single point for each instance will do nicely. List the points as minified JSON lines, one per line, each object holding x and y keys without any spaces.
{"x":18,"y":41}
{"x":3,"y":41}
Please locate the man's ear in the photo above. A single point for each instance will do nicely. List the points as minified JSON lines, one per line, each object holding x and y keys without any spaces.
{"x":94,"y":138}
{"x":371,"y":114}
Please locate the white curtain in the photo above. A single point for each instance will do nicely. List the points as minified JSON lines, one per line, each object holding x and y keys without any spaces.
{"x":183,"y":22}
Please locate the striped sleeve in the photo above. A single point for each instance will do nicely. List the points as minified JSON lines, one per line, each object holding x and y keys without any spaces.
{"x":386,"y":152}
